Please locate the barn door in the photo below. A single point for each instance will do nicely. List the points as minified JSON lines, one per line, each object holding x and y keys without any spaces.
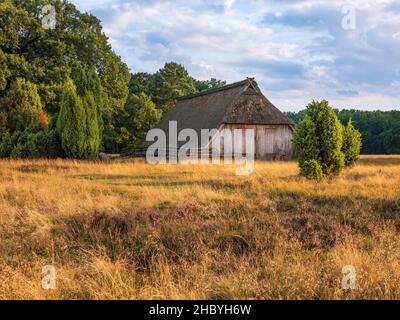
{"x":264,"y":143}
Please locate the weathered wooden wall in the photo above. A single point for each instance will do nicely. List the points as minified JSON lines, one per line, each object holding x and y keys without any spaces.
{"x":272,"y":142}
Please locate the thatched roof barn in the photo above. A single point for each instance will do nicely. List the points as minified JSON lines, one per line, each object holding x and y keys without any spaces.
{"x":237,"y":106}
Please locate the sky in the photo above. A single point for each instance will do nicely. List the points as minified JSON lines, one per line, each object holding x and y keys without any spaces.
{"x":344,"y":51}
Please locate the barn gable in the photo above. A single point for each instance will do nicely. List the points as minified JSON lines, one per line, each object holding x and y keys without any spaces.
{"x":252,"y":107}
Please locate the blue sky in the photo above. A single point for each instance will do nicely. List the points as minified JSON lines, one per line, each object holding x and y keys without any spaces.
{"x":297,"y":50}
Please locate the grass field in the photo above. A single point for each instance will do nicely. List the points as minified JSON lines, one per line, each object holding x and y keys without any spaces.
{"x":135,"y":231}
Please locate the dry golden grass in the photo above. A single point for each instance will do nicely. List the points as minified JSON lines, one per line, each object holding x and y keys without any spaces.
{"x":136,"y":231}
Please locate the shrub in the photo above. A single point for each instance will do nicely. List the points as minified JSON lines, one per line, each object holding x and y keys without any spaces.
{"x":305,"y":141}
{"x":351,"y":144}
{"x":312,"y":169}
{"x":319,"y":138}
{"x":35,"y":146}
{"x":23,"y":105}
{"x":5,"y":145}
{"x":29,"y":144}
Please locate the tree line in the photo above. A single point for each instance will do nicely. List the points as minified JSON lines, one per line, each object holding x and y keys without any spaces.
{"x":65,"y":93}
{"x":380,"y":130}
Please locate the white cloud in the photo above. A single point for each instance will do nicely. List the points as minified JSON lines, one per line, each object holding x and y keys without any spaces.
{"x":396,"y":35}
{"x":307,"y":55}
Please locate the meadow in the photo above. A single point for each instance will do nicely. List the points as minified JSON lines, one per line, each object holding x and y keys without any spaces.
{"x":129,"y":230}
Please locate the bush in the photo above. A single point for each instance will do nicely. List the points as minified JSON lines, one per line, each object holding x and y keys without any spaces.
{"x":351,"y":144}
{"x":30,"y":145}
{"x":6,"y":145}
{"x":312,"y":169}
{"x":319,"y":139}
{"x":305,"y":141}
{"x":23,"y":105}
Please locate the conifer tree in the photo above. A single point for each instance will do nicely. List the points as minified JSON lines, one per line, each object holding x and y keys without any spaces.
{"x":306,"y":144}
{"x":88,"y":88}
{"x":318,"y":140}
{"x":22,"y":105}
{"x":172,"y":82}
{"x":72,"y":123}
{"x":351,"y":144}
{"x":92,"y":133}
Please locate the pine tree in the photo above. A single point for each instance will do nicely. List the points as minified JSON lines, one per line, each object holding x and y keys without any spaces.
{"x":351,"y":144}
{"x":72,"y":123}
{"x":172,"y":82}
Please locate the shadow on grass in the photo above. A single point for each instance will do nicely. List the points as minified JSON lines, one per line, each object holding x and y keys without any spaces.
{"x":163,"y":181}
{"x":100,"y":177}
{"x":137,"y":180}
{"x":42,"y":168}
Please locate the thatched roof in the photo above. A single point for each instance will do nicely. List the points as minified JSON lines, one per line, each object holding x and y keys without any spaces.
{"x":240,"y":102}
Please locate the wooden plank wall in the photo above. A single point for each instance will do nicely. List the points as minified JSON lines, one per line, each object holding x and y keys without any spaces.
{"x":272,"y":142}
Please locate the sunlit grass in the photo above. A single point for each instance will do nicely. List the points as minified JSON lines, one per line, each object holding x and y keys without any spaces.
{"x":130,"y":230}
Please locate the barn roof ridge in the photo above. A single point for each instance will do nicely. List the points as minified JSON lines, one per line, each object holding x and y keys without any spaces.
{"x":248,"y":81}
